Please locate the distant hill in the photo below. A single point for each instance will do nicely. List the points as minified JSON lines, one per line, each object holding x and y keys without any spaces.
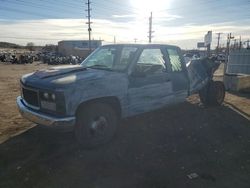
{"x":9,"y":45}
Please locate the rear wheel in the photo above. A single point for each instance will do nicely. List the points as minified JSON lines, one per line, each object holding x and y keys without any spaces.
{"x":213,"y":94}
{"x":95,"y":125}
{"x":216,"y":93}
{"x":203,"y":94}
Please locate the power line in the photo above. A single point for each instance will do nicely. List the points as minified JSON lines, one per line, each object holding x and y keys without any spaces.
{"x":105,"y":8}
{"x":48,"y":7}
{"x":134,"y":9}
{"x":39,"y":15}
{"x":121,"y":7}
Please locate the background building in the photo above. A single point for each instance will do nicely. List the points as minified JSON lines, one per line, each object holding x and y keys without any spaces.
{"x":77,"y":47}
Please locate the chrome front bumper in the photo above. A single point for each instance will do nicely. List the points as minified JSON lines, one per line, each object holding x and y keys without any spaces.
{"x":41,"y":118}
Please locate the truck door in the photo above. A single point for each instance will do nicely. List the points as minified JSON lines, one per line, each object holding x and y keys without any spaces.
{"x":149,"y":84}
{"x":178,"y":74}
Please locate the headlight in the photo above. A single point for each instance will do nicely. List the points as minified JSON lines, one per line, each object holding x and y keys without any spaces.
{"x":52,"y":101}
{"x":48,"y":96}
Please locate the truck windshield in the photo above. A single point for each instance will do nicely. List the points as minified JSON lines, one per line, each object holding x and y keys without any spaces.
{"x":110,"y":58}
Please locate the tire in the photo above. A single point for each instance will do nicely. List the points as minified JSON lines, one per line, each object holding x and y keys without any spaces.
{"x":213,"y":94}
{"x":95,"y":125}
{"x":203,"y":94}
{"x":216,"y":93}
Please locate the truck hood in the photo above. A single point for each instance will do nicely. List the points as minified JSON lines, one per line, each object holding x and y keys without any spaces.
{"x":63,"y":76}
{"x":55,"y":71}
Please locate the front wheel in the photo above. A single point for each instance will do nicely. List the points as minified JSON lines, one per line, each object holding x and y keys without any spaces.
{"x":95,"y":124}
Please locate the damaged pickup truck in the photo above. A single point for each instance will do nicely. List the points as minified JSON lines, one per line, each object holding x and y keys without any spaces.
{"x":115,"y":81}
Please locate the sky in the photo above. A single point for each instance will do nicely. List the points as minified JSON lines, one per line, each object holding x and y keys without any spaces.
{"x":178,"y":22}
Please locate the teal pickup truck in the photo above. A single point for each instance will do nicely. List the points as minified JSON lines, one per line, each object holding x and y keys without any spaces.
{"x":115,"y":81}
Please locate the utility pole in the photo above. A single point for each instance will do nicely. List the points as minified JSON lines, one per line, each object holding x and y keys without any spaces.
{"x":208,"y":40}
{"x":89,"y":23}
{"x":150,"y":28}
{"x":240,"y":45}
{"x":229,"y":37}
{"x":235,"y":43}
{"x":114,"y":40}
{"x":218,"y":42}
{"x":248,"y":43}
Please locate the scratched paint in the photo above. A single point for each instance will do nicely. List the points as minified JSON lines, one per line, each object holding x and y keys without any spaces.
{"x":135,"y":94}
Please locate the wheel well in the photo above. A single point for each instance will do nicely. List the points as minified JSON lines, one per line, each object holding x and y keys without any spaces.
{"x":112,"y":101}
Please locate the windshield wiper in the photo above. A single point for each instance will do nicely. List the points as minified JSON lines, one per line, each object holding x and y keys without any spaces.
{"x":104,"y":67}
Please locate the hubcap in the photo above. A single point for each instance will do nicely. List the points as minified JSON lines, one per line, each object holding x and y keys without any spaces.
{"x":98,"y":126}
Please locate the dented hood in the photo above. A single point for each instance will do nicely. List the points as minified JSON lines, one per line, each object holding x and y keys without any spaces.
{"x":55,"y":71}
{"x":63,"y":76}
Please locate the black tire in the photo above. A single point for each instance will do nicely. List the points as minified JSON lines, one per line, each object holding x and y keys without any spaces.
{"x":216,"y":93}
{"x":96,"y":124}
{"x":203,"y":94}
{"x":213,"y":94}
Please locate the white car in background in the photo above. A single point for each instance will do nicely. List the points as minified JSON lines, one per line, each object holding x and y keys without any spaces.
{"x":221,"y":57}
{"x":188,"y":57}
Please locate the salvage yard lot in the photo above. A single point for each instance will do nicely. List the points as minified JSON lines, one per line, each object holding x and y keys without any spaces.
{"x":157,"y":149}
{"x":11,"y":122}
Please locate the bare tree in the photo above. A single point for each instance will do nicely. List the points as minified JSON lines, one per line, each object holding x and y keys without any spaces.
{"x":30,"y":46}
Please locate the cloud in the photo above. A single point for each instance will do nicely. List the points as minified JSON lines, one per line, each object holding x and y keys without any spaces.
{"x":124,"y":16}
{"x":158,"y":16}
{"x":191,"y":32}
{"x":45,"y":31}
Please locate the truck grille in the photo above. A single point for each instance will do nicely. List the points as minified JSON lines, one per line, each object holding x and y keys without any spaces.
{"x":30,"y":97}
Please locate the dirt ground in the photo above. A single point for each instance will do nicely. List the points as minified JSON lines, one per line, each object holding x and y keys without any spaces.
{"x":11,"y":121}
{"x":154,"y":150}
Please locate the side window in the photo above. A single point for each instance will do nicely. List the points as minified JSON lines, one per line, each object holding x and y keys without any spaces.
{"x":151,"y":61}
{"x":127,"y":55}
{"x":175,"y":60}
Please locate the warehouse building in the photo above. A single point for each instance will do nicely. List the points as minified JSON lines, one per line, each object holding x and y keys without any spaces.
{"x":77,"y":47}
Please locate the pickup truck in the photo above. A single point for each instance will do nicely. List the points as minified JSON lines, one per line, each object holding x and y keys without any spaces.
{"x":115,"y":81}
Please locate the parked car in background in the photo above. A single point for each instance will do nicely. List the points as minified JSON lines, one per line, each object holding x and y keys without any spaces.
{"x":221,"y":57}
{"x":188,"y":57}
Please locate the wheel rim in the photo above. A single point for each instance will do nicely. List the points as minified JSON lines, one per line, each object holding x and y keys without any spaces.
{"x":98,"y":126}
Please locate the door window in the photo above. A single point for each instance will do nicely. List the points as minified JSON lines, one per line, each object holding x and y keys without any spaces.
{"x":127,"y":55}
{"x":151,"y":62}
{"x":175,"y":60}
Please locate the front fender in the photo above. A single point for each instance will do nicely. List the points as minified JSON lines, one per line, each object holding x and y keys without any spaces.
{"x":84,"y":92}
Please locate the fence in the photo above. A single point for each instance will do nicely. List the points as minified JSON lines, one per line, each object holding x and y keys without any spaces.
{"x":239,"y":62}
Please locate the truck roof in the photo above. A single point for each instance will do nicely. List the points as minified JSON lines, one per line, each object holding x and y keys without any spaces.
{"x":142,"y":45}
